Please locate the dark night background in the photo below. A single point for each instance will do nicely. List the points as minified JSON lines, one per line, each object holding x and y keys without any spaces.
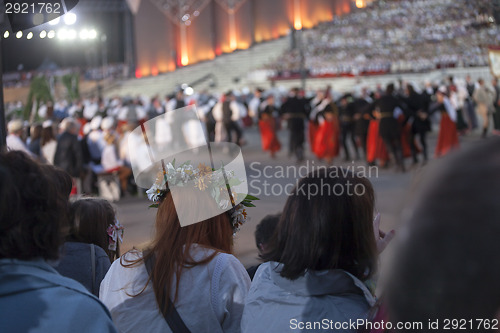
{"x":66,"y":53}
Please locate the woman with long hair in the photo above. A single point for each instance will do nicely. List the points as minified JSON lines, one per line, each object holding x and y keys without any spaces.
{"x":187,"y":274}
{"x":48,"y":143}
{"x":321,"y":258}
{"x":92,"y":243}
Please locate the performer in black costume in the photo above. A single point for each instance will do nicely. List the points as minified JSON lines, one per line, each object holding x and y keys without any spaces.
{"x":389,"y":128}
{"x":294,"y":109}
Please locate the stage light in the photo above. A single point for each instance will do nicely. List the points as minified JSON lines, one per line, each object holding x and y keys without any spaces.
{"x":19,"y":34}
{"x":62,"y":34}
{"x":71,"y":34}
{"x":92,"y":34}
{"x":30,"y":35}
{"x":43,"y":34}
{"x":55,"y":21}
{"x":70,"y":18}
{"x":360,"y":3}
{"x":6,"y":34}
{"x":38,"y":19}
{"x":51,"y":34}
{"x":84,"y":34}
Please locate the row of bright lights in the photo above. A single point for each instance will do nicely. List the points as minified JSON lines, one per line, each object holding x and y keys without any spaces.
{"x":69,"y":19}
{"x":62,"y":34}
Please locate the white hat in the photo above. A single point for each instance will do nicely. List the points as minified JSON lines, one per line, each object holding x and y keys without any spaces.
{"x":14,"y":125}
{"x":95,"y":123}
{"x":87,"y":128}
{"x":443,"y":90}
{"x":107,"y":123}
{"x":47,"y":124}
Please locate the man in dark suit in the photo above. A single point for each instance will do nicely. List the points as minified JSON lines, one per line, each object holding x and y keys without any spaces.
{"x":69,"y":156}
{"x":294,"y":110}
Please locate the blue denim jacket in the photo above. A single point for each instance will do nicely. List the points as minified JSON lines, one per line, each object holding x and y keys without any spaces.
{"x":35,"y":298}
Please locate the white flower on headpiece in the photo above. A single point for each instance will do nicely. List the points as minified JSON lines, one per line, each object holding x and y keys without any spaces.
{"x":204,"y":178}
{"x":154,"y":193}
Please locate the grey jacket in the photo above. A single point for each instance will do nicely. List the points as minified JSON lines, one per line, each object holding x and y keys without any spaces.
{"x":277,"y":304}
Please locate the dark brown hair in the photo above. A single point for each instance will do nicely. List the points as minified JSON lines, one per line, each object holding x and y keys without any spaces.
{"x":34,"y":214}
{"x":47,"y":135}
{"x":90,"y":219}
{"x":59,"y":178}
{"x":326,"y":229}
{"x":171,"y":239}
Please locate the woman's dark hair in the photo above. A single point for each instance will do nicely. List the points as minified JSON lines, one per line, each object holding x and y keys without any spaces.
{"x":60,"y":178}
{"x":47,"y":135}
{"x":265,"y":229}
{"x":89,"y":221}
{"x":36,"y":131}
{"x":34,"y":214}
{"x":327,"y":223}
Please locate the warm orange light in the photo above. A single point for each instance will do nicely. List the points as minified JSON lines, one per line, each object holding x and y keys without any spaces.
{"x":154,"y":71}
{"x":184,"y":51}
{"x":360,"y":3}
{"x":297,"y":24}
{"x":233,"y":42}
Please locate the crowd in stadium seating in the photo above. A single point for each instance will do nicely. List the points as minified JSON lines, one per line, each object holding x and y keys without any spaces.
{"x":397,"y":36}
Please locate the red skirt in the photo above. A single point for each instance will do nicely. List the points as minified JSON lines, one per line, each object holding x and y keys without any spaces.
{"x":82,"y":122}
{"x":327,"y":140}
{"x":269,"y":139}
{"x":448,"y":136}
{"x":375,"y":147}
{"x":313,"y":131}
{"x":405,"y":140}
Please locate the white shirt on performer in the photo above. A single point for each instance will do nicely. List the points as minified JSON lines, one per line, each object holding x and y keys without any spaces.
{"x":210,"y":296}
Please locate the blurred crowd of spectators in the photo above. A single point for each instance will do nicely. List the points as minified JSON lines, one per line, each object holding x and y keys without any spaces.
{"x":397,"y":36}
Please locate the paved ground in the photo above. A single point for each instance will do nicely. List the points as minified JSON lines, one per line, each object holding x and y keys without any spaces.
{"x":393,"y":192}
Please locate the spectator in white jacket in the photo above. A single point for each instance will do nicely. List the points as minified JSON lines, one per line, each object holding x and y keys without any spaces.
{"x":111,"y":163}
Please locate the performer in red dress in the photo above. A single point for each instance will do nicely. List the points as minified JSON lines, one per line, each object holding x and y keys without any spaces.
{"x":267,"y":125}
{"x":313,"y":117}
{"x":375,"y":147}
{"x":448,"y":135}
{"x":327,"y":141}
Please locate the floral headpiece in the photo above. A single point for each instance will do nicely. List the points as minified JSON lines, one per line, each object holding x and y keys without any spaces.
{"x":115,"y":234}
{"x":205,"y":179}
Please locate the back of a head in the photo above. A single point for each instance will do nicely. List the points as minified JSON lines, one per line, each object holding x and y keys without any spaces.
{"x":327,"y":223}
{"x":265,"y":229}
{"x":36,"y":214}
{"x":59,"y":178}
{"x":90,"y":219}
{"x":215,"y":232}
{"x":447,"y":268}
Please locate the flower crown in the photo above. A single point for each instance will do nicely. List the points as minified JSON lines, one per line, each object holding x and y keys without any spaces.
{"x":205,"y":179}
